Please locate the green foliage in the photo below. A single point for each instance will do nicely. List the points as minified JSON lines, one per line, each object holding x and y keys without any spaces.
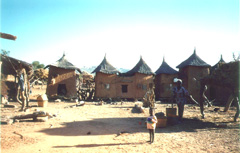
{"x":37,"y":65}
{"x":236,"y":58}
{"x":4,"y":52}
{"x":40,"y":66}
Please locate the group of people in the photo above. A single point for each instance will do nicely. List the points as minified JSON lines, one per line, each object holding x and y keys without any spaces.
{"x":180,"y":95}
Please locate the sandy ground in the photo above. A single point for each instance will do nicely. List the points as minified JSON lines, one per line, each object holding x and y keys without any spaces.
{"x":93,"y":128}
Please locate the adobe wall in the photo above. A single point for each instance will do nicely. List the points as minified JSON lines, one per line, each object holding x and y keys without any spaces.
{"x":164,"y":85}
{"x":194,"y":86}
{"x":130,"y":82}
{"x":144,"y":80}
{"x":61,"y":76}
{"x":157,"y":83}
{"x":183,"y":75}
{"x":136,"y":85}
{"x":103,"y":80}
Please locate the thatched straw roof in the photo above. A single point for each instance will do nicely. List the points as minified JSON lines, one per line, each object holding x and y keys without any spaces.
{"x":7,"y":36}
{"x":64,"y":63}
{"x":221,"y":61}
{"x":141,"y":67}
{"x":193,"y":60}
{"x":106,"y":67}
{"x":165,"y":69}
{"x":10,"y":65}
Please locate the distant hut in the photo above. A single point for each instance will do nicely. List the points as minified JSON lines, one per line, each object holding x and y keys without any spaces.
{"x":193,"y":67}
{"x":163,"y":81}
{"x":62,"y":79}
{"x":105,"y":85}
{"x":134,"y":83}
{"x":216,"y":66}
{"x":218,"y":93}
{"x":8,"y":75}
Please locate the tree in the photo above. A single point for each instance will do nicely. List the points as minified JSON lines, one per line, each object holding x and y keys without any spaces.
{"x":40,"y":66}
{"x":4,"y":52}
{"x":37,"y":65}
{"x":236,"y":58}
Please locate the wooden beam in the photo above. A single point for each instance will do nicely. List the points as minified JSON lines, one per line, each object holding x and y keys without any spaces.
{"x":7,"y":36}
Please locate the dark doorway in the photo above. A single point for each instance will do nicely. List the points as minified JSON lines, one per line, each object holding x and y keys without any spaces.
{"x":62,"y":90}
{"x":124,"y":88}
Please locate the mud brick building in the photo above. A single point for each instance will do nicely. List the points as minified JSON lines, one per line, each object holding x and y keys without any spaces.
{"x":164,"y":81}
{"x":62,"y":79}
{"x":193,"y":67}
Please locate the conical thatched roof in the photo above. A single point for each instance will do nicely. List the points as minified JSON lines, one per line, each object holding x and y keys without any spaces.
{"x":221,"y":61}
{"x":193,"y":60}
{"x":165,"y":69}
{"x":106,"y":67}
{"x":141,"y":67}
{"x":64,"y":63}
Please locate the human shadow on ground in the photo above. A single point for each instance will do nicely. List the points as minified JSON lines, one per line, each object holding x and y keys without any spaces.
{"x":108,"y":126}
{"x":98,"y":145}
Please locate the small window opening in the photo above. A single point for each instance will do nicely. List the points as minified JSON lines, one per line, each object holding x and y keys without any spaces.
{"x":124,"y":88}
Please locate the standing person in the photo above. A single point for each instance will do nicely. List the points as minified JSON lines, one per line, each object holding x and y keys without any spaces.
{"x":22,"y":84}
{"x":151,"y":124}
{"x":149,"y":97}
{"x":180,"y":94}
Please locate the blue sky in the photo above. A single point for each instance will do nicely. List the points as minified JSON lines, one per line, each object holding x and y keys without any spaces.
{"x":124,"y":30}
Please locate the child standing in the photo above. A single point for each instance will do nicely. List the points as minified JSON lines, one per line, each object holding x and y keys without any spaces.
{"x":151,"y":124}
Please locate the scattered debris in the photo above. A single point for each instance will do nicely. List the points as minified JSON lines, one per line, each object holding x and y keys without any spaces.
{"x":81,"y":103}
{"x":113,"y":103}
{"x":37,"y":110}
{"x":6,"y":121}
{"x":41,"y":119}
{"x":39,"y":116}
{"x":123,"y":133}
{"x":216,"y":109}
{"x":88,"y":133}
{"x":34,"y":106}
{"x":139,"y":107}
{"x":101,"y":102}
{"x":4,"y":100}
{"x":10,"y":106}
{"x":18,"y":134}
{"x":222,"y":125}
{"x":26,"y":110}
{"x":58,"y":100}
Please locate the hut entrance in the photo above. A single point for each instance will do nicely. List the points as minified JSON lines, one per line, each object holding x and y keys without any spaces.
{"x":124,"y":88}
{"x":62,"y":90}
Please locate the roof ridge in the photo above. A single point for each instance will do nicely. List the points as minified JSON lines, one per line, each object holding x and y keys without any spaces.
{"x":165,"y":68}
{"x":193,"y":60}
{"x":105,"y":67}
{"x":140,"y":67}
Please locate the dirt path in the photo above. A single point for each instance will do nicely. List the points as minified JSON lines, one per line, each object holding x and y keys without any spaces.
{"x":93,"y":128}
